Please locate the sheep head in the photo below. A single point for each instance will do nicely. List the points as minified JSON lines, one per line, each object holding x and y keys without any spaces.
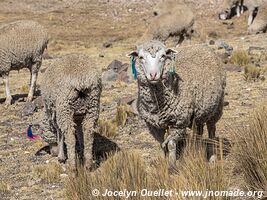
{"x":151,"y":59}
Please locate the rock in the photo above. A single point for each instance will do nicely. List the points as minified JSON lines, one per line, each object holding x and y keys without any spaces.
{"x":213,"y":34}
{"x":107,"y":44}
{"x":38,"y":102}
{"x":262,"y":77}
{"x":115,"y":65}
{"x":211,"y":42}
{"x":232,"y":68}
{"x":256,"y":51}
{"x":101,"y":55}
{"x":109,"y":75}
{"x":28,"y":109}
{"x":116,"y":71}
{"x":63,"y":175}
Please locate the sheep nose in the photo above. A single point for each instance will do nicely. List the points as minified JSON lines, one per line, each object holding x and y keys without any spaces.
{"x":153,"y":75}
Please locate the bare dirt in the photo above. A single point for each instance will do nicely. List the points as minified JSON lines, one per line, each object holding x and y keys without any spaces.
{"x":83,"y":26}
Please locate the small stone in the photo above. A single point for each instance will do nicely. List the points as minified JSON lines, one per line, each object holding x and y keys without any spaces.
{"x":107,"y":44}
{"x":63,"y":175}
{"x":101,"y":55}
{"x":211,"y":42}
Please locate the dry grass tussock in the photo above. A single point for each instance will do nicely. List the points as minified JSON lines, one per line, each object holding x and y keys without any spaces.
{"x":244,"y":169}
{"x":127,"y":170}
{"x":251,"y":152}
{"x":109,"y":127}
{"x":48,"y":173}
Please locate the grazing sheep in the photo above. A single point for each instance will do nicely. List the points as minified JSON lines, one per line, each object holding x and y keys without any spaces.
{"x":259,"y":24}
{"x":252,"y":6}
{"x":167,"y":6}
{"x":178,"y":23}
{"x":22,"y":44}
{"x":225,"y":11}
{"x":174,"y":92}
{"x":71,"y":89}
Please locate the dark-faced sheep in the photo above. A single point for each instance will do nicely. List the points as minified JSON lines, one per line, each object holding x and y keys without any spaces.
{"x":22,"y":44}
{"x":174,"y":92}
{"x":71,"y":88}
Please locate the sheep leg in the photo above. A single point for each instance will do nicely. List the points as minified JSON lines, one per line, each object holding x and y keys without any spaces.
{"x":34,"y":75}
{"x":8,"y":94}
{"x":66,"y":125}
{"x":250,"y":17}
{"x":176,"y":135}
{"x":211,"y":147}
{"x":237,"y":11}
{"x":88,"y":127}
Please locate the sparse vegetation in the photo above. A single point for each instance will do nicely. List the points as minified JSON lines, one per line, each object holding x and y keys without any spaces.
{"x":48,"y":173}
{"x":4,"y":187}
{"x":24,"y":88}
{"x":251,"y":152}
{"x":108,"y":128}
{"x":252,"y":73}
{"x":127,"y":170}
{"x":240,"y":58}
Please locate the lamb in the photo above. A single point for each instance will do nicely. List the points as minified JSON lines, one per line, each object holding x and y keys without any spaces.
{"x":177,"y":23}
{"x":22,"y":44}
{"x":225,"y":11}
{"x":260,"y":22}
{"x":71,"y":89}
{"x":176,"y":88}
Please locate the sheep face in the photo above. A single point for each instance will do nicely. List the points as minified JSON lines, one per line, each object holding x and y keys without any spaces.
{"x":225,"y":14}
{"x":150,"y":60}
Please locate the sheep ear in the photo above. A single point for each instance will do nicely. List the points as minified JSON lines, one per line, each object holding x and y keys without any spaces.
{"x":133,"y":54}
{"x":170,"y":52}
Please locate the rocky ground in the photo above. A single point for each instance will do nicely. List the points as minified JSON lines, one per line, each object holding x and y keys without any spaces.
{"x":106,"y":30}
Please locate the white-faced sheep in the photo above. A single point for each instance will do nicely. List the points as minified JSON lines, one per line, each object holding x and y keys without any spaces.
{"x":172,"y":93}
{"x":22,"y":44}
{"x":226,"y":8}
{"x":177,"y":23}
{"x":259,"y":24}
{"x":71,"y":88}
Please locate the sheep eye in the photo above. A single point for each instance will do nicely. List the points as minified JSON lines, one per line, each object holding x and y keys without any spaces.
{"x":141,"y":57}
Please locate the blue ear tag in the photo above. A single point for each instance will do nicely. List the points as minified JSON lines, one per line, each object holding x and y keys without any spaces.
{"x":172,"y":70}
{"x":134,"y":68}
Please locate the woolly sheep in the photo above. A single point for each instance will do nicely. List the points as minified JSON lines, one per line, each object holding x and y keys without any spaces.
{"x":71,"y":89}
{"x":252,"y":5}
{"x":226,"y":8}
{"x":174,"y":92}
{"x":167,"y":6}
{"x":22,"y":44}
{"x":178,"y":23}
{"x":260,"y":22}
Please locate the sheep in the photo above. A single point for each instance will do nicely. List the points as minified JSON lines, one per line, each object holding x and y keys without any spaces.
{"x":178,"y":23}
{"x":167,"y":6}
{"x":177,"y":88}
{"x":260,"y":22}
{"x":22,"y":44}
{"x":71,"y":89}
{"x":252,"y":6}
{"x":225,"y":11}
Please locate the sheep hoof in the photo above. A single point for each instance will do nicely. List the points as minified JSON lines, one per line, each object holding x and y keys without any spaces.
{"x":61,"y":158}
{"x":8,"y":101}
{"x":213,"y":159}
{"x":29,"y":99}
